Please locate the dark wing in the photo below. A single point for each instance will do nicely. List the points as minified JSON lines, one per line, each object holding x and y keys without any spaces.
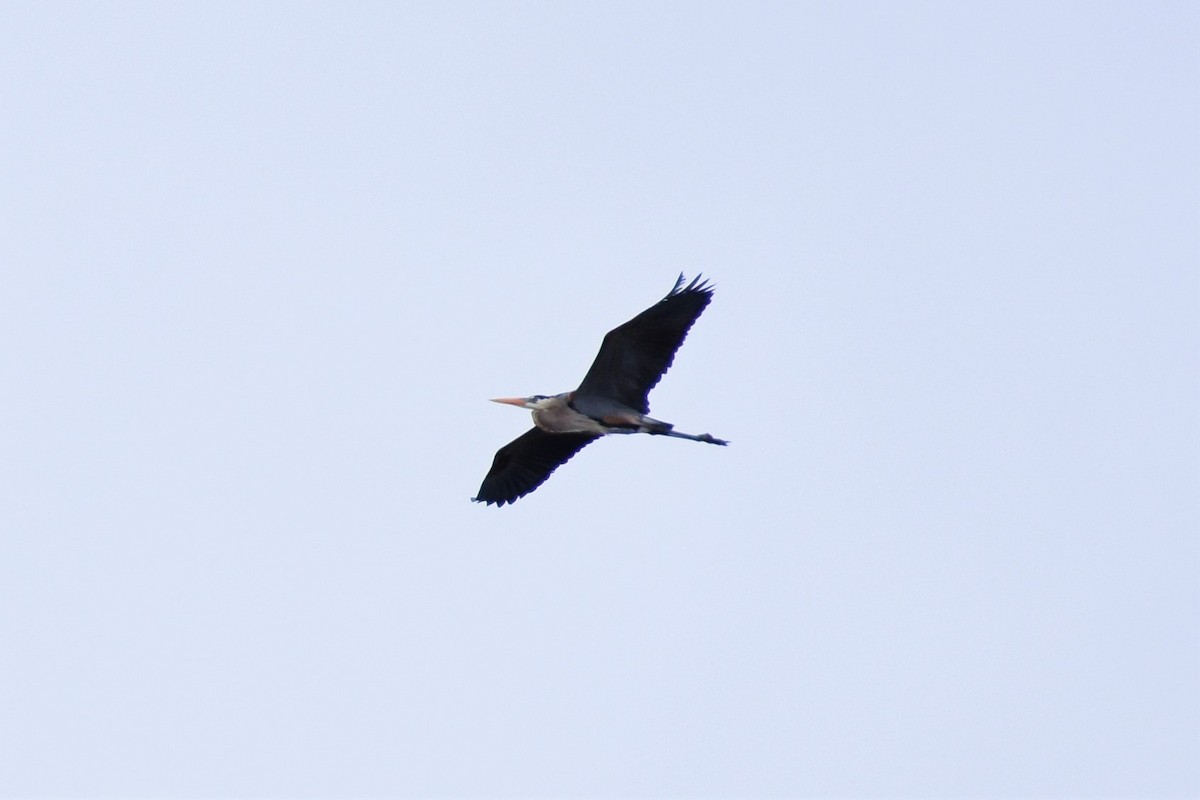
{"x":634,"y":356}
{"x":523,"y":464}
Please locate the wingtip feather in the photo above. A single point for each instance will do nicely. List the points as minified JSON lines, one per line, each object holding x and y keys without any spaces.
{"x":698,"y":285}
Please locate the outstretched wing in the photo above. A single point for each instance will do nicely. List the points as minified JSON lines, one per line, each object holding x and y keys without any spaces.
{"x":635,"y":355}
{"x":526,"y":462}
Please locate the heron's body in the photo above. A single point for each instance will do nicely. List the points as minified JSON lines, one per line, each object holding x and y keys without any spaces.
{"x":611,"y":399}
{"x":563,"y":413}
{"x":557,"y":415}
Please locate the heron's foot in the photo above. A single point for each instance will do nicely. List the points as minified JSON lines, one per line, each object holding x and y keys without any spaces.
{"x":703,"y":437}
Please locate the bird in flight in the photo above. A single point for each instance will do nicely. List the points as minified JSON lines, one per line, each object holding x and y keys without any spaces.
{"x":611,"y":399}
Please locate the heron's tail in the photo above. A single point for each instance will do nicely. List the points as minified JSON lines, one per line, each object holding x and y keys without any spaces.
{"x":649,"y":425}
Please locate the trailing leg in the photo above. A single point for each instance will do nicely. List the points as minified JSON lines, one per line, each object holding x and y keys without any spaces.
{"x":704,"y":437}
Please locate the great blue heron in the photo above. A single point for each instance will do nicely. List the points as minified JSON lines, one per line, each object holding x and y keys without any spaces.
{"x":611,"y":399}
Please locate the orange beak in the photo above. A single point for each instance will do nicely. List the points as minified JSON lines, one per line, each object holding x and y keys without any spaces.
{"x":512,"y":401}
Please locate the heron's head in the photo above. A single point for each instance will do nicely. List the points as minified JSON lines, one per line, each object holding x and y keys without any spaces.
{"x":533,"y":403}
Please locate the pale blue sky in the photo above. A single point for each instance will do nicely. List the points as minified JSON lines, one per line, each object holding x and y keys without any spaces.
{"x":263,"y":264}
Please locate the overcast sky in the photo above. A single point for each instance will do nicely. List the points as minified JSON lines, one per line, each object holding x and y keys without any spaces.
{"x":261,"y":266}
